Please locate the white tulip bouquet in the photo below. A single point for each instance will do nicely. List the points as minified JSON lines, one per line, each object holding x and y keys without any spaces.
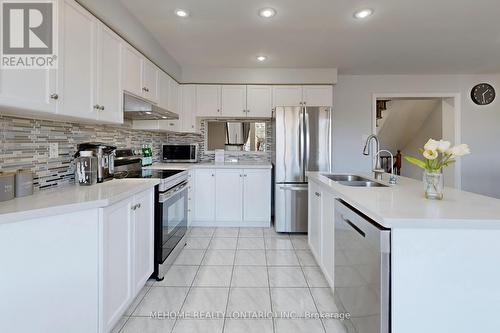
{"x":438,"y":154}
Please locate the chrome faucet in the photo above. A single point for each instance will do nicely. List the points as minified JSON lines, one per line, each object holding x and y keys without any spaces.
{"x":377,"y":170}
{"x":393,"y":179}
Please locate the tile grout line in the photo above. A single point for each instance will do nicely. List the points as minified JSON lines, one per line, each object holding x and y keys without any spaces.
{"x":192,"y":282}
{"x":230,"y":282}
{"x":312,"y":297}
{"x":269,"y":286}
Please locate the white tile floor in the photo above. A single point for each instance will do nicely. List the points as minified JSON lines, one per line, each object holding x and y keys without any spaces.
{"x":233,"y":270}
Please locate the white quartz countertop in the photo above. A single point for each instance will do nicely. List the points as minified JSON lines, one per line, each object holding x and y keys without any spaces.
{"x":404,"y":206}
{"x":211,"y":165}
{"x":71,"y":198}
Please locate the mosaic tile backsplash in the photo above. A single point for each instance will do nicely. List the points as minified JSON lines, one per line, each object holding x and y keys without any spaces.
{"x":24,"y":144}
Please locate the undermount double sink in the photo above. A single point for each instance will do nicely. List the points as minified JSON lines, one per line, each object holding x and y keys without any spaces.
{"x":354,"y":180}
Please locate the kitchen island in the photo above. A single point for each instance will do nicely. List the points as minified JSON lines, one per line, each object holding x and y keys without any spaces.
{"x":74,"y":258}
{"x":443,"y":258}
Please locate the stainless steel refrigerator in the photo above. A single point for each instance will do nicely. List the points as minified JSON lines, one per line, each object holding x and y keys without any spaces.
{"x":302,"y":139}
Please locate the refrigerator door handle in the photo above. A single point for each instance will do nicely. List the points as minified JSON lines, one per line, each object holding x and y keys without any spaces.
{"x":302,"y":144}
{"x":307,"y":142}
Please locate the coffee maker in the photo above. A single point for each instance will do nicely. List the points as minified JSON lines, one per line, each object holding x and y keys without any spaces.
{"x":105,"y":158}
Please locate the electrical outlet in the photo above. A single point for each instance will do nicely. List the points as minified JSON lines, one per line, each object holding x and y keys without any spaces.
{"x":53,"y":150}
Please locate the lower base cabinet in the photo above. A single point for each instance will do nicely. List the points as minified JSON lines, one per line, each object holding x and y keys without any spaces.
{"x":231,"y":197}
{"x":321,"y":223}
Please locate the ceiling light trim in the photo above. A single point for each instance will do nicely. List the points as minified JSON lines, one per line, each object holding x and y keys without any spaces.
{"x":267,"y":12}
{"x":363,"y":13}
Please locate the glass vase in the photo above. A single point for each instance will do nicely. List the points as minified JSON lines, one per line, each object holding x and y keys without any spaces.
{"x":433,"y":185}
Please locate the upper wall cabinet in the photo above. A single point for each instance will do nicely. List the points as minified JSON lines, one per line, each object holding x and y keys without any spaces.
{"x":312,"y":95}
{"x":149,"y":80}
{"x":174,"y":96}
{"x":208,"y":100}
{"x":109,"y":72}
{"x":163,"y":90}
{"x":234,"y":101}
{"x":132,"y":70}
{"x":188,"y":108}
{"x":77,"y":61}
{"x":317,"y":95}
{"x":259,"y":101}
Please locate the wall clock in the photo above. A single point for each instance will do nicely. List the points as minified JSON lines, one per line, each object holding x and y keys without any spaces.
{"x":483,"y":94}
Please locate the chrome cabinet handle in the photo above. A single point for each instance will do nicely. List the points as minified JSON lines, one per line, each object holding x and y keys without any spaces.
{"x":134,"y":207}
{"x":213,"y":175}
{"x":102,"y":108}
{"x":145,"y":89}
{"x":97,"y":107}
{"x":317,"y":194}
{"x":54,"y":96}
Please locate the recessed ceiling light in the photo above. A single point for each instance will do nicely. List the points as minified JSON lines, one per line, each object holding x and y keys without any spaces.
{"x":267,"y":12}
{"x":181,"y":13}
{"x":261,"y":58}
{"x":163,"y":117}
{"x":148,"y":112}
{"x":364,"y":13}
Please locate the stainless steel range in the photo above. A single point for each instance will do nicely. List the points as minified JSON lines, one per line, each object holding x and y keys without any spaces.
{"x":171,"y":204}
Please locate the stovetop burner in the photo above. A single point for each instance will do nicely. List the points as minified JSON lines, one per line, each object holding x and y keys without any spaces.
{"x":150,"y":173}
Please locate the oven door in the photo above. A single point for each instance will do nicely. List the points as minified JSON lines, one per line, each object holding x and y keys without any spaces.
{"x":173,"y":207}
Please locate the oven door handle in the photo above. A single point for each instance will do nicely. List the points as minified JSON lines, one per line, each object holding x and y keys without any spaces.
{"x":169,"y":194}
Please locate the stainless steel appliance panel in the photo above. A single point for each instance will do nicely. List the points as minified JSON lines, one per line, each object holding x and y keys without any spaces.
{"x":318,"y":134}
{"x":289,"y":141}
{"x":180,"y":153}
{"x":291,"y":207}
{"x":362,"y":270}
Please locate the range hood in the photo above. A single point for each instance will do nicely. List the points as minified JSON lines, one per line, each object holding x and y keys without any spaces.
{"x":135,"y":108}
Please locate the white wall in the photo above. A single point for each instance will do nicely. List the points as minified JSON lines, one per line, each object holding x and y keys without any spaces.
{"x":480,"y":125}
{"x":431,"y":128}
{"x":259,"y":75}
{"x":114,"y":14}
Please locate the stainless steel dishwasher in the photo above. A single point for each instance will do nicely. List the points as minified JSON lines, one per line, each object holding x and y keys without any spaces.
{"x":362,"y":270}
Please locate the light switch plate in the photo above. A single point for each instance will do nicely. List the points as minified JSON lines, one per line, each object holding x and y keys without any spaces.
{"x":53,"y":150}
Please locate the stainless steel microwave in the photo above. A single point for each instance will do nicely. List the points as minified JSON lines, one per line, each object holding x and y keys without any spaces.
{"x":179,"y":153}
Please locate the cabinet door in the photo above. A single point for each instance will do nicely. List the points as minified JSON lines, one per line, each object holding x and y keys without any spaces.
{"x":149,"y":80}
{"x":204,"y":195}
{"x":173,"y":96}
{"x":259,"y":101}
{"x":234,"y":101}
{"x":208,"y":100}
{"x":164,"y":90}
{"x":116,"y":226}
{"x":109,"y":62}
{"x":327,"y":235}
{"x":257,"y":195}
{"x":318,"y":95}
{"x":287,"y":95}
{"x":228,"y":194}
{"x":188,"y":114}
{"x":77,"y":61}
{"x":131,"y":72}
{"x":40,"y":83}
{"x":314,"y":219}
{"x":143,"y":245}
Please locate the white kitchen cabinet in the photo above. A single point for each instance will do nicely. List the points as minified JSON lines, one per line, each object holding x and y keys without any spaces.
{"x":143,"y":245}
{"x":241,"y":197}
{"x":41,"y":84}
{"x":164,"y":90}
{"x":259,"y":101}
{"x":309,"y":95}
{"x":314,"y":219}
{"x":204,"y":195}
{"x":116,"y":262}
{"x":316,"y":95}
{"x":188,"y":108}
{"x":327,"y":235}
{"x":234,"y":101}
{"x":131,"y":72}
{"x":77,"y":61}
{"x":208,"y":100}
{"x":256,"y":195}
{"x":149,"y":80}
{"x":109,"y":95}
{"x":174,"y":97}
{"x":287,"y":95}
{"x":229,"y":195}
{"x":127,"y":261}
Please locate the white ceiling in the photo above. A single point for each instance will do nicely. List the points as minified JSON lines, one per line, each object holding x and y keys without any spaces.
{"x":402,"y":37}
